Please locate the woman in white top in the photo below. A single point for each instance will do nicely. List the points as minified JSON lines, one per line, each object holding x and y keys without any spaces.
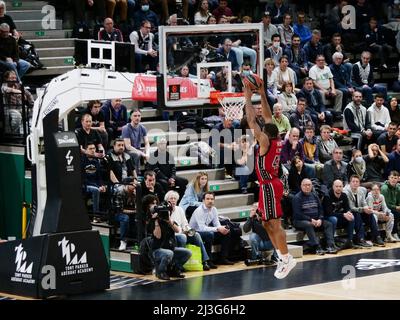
{"x":272,"y":90}
{"x":283,"y":73}
{"x":201,"y":16}
{"x":186,"y":234}
{"x":287,"y":99}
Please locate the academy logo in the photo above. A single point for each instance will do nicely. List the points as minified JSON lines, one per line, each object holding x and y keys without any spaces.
{"x":23,"y":270}
{"x":73,"y":264}
{"x":372,"y":264}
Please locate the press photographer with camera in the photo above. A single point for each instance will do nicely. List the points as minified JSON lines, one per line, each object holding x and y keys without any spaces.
{"x":186,"y":234}
{"x":168,"y":258}
{"x":259,"y":239}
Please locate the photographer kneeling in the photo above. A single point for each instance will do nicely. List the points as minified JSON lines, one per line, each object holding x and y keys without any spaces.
{"x":168,"y":258}
{"x":186,"y":234}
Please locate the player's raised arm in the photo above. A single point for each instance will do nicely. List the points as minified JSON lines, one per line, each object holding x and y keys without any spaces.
{"x":266,"y":108}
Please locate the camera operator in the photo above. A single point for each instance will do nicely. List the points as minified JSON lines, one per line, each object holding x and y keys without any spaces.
{"x":168,"y":258}
{"x":186,"y":234}
{"x":259,"y":239}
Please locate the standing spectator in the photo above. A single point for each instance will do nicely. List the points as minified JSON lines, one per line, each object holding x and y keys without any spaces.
{"x":109,"y":33}
{"x":201,"y":16}
{"x":205,"y":221}
{"x":308,"y":216}
{"x":363,"y":78}
{"x":375,"y":162}
{"x":394,"y":110}
{"x":326,"y":144}
{"x":394,"y":159}
{"x":291,"y":148}
{"x":145,"y":55}
{"x":323,"y":81}
{"x":387,"y":141}
{"x":286,"y":30}
{"x":379,"y":116}
{"x":146,"y":14}
{"x":278,"y":10}
{"x":301,"y":29}
{"x":115,"y":117}
{"x":391,"y":191}
{"x":381,"y":212}
{"x":287,"y":99}
{"x":300,"y":119}
{"x":335,"y":169}
{"x":98,"y":123}
{"x":194,"y":192}
{"x":376,"y":42}
{"x":314,"y":47}
{"x":134,"y":134}
{"x":280,"y":120}
{"x":9,"y":57}
{"x":123,"y":9}
{"x":86,"y":135}
{"x":269,"y":29}
{"x":356,"y":196}
{"x":297,"y":57}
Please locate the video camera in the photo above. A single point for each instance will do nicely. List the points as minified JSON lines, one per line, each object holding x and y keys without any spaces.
{"x":163,"y":211}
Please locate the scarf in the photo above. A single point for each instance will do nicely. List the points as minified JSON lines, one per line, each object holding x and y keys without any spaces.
{"x":359,"y":168}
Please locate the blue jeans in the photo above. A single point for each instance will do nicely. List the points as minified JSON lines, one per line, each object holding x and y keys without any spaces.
{"x":307,"y":226}
{"x":20,"y":67}
{"x":182,"y":239}
{"x":257,"y":245}
{"x":123,"y":220}
{"x":339,"y":220}
{"x":163,"y":257}
{"x":246,"y":52}
{"x":95,"y":197}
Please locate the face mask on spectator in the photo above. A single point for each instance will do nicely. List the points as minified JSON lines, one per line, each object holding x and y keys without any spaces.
{"x":145,"y":7}
{"x":358,"y":160}
{"x":246,"y":73}
{"x":276,"y":44}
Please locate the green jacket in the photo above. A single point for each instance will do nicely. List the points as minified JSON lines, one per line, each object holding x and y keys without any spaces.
{"x":391,"y":194}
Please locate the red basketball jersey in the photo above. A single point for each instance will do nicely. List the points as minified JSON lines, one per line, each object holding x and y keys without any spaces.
{"x":267,"y":166}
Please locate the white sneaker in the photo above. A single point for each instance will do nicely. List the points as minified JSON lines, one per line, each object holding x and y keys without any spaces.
{"x":122,"y":246}
{"x":390,"y":238}
{"x":283,"y":269}
{"x":396,"y":237}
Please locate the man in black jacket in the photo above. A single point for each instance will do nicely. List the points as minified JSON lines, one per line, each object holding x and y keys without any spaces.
{"x":163,"y":164}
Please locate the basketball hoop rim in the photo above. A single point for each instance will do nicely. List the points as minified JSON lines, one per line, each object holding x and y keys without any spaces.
{"x":216,"y":96}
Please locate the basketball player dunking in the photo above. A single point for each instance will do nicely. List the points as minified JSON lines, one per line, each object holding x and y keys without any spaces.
{"x":271,"y":187}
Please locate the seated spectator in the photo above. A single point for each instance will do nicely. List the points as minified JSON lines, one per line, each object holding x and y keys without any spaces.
{"x":323,"y":81}
{"x":13,"y":102}
{"x":300,"y":119}
{"x":287,"y":99}
{"x":283,"y":73}
{"x":363,"y":78}
{"x":109,"y":33}
{"x":298,"y":171}
{"x":342,"y":76}
{"x":336,"y":45}
{"x":228,"y":54}
{"x":375,"y":165}
{"x":315,"y":105}
{"x":86,"y":135}
{"x":379,"y":116}
{"x":356,"y":196}
{"x":168,"y":257}
{"x":333,"y":21}
{"x":308,"y":216}
{"x":222,"y":10}
{"x":394,"y":110}
{"x":149,"y":185}
{"x":314,"y":47}
{"x":376,"y":42}
{"x":201,"y":16}
{"x":163,"y":164}
{"x":270,"y":85}
{"x":146,"y":14}
{"x":356,"y":121}
{"x":381,"y":212}
{"x":134,"y":134}
{"x":244,"y":171}
{"x":291,"y":147}
{"x":115,"y":117}
{"x":394,"y":159}
{"x":301,"y":29}
{"x":269,"y":29}
{"x":337,"y":211}
{"x":357,"y":165}
{"x":286,"y":30}
{"x":278,"y":11}
{"x":391,"y":191}
{"x":9,"y":56}
{"x":123,"y":177}
{"x":387,"y":140}
{"x":297,"y":57}
{"x":145,"y":55}
{"x":259,"y":239}
{"x":92,"y":176}
{"x":5,"y":18}
{"x":98,"y":122}
{"x":205,"y":221}
{"x":275,"y":52}
{"x":326,"y":144}
{"x":123,"y":9}
{"x":310,"y":147}
{"x":194,"y":192}
{"x":280,"y":120}
{"x":335,"y":169}
{"x":185,"y":234}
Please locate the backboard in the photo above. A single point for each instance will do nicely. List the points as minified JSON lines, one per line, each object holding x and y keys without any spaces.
{"x":203,"y":51}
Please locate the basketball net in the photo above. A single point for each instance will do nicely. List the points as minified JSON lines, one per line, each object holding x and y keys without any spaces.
{"x":232,"y":103}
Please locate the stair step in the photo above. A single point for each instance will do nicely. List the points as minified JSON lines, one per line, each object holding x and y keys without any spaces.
{"x":235,"y":213}
{"x":52,"y":43}
{"x":234,"y":200}
{"x":173,"y":137}
{"x":50,"y":71}
{"x":213,"y":174}
{"x":58,"y":61}
{"x":55,"y":52}
{"x":47,"y":34}
{"x":25,"y":5}
{"x":35,"y":25}
{"x":26,"y":14}
{"x":157,"y":125}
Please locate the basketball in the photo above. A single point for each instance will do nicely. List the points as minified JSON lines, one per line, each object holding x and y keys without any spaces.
{"x":253,"y":81}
